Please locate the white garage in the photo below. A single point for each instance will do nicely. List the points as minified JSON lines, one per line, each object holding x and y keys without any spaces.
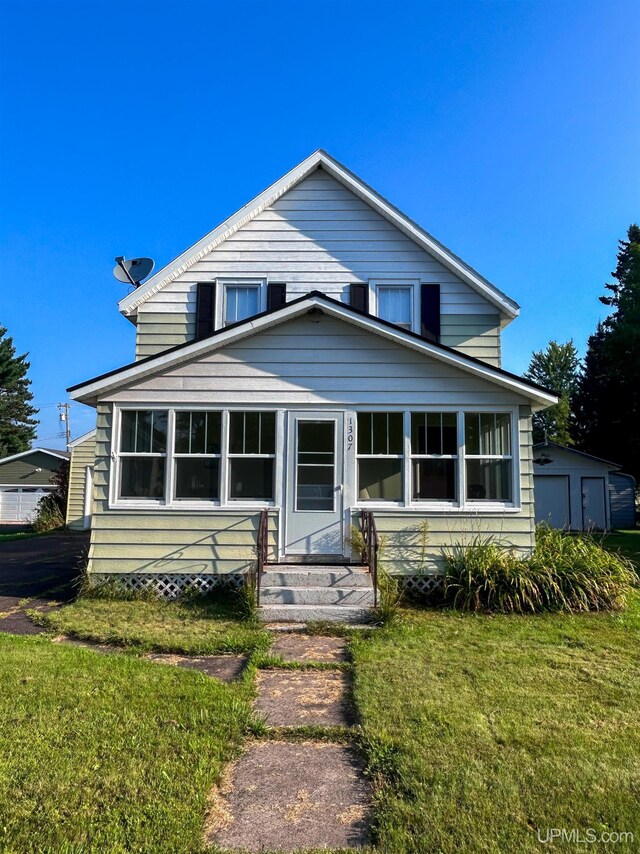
{"x":571,"y":488}
{"x":24,"y":479}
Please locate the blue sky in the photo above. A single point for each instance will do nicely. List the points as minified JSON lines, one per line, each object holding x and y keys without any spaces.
{"x":509,"y":130}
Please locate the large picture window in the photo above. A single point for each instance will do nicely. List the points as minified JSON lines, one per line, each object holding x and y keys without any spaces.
{"x":143,"y":453}
{"x":380,"y":456}
{"x":252,"y":449}
{"x":434,"y":456}
{"x":488,"y":458}
{"x":197,"y":455}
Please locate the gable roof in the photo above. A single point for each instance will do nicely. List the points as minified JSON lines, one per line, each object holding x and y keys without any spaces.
{"x":88,"y":435}
{"x":90,"y":390}
{"x":61,"y":455}
{"x":318,"y":160}
{"x":550,"y":444}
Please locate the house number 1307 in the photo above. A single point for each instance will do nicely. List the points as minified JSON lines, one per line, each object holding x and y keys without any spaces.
{"x":349,"y":434}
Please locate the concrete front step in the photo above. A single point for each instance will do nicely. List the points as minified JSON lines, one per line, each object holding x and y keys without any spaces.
{"x":309,"y":613}
{"x":361,"y":597}
{"x":279,"y":575}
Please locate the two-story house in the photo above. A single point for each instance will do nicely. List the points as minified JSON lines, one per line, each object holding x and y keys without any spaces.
{"x":316,"y":355}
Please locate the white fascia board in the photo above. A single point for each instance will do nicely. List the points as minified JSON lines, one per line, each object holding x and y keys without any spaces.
{"x":88,"y":435}
{"x":189,"y":257}
{"x":59,"y":456}
{"x":88,"y":393}
{"x":426,"y":241}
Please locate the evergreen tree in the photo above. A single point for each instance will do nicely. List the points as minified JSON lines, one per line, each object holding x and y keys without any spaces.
{"x":607,"y":403}
{"x":555,"y":368}
{"x":17,"y":424}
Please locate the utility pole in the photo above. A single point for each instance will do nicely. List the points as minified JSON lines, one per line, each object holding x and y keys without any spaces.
{"x":64,"y":419}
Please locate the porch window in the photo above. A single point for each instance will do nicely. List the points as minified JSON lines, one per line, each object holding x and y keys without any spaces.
{"x":434,"y":456}
{"x":380,"y":456}
{"x":241,"y":301}
{"x":488,"y":456}
{"x":197,"y":455}
{"x":395,"y":304}
{"x":252,"y":450}
{"x":143,"y":453}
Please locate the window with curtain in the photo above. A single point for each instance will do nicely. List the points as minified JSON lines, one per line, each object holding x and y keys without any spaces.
{"x":143,"y":453}
{"x":197,"y":455}
{"x":241,"y":301}
{"x":380,"y":454}
{"x":252,"y":449}
{"x":395,"y":304}
{"x":434,"y":456}
{"x":488,"y":456}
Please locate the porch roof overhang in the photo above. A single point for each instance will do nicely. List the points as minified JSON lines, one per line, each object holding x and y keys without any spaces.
{"x":90,"y":391}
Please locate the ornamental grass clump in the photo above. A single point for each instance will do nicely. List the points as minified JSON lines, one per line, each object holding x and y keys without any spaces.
{"x":565,"y":572}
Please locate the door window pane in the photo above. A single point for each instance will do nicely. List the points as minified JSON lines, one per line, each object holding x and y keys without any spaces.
{"x":142,"y":477}
{"x":198,"y":477}
{"x":251,"y":478}
{"x":394,"y":305}
{"x":315,"y":470}
{"x":434,"y":480}
{"x":241,"y":302}
{"x":380,"y":479}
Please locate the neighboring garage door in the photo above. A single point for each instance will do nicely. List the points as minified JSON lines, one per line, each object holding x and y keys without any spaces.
{"x":18,"y":504}
{"x":552,"y":500}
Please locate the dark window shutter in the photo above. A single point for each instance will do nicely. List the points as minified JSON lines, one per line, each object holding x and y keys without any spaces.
{"x":430,"y":312}
{"x":359,"y":297}
{"x":205,"y":309}
{"x":276,"y":295}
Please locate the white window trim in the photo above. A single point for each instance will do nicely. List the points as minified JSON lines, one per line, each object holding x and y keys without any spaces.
{"x":414,"y":284}
{"x":170,"y":502}
{"x":225,"y":282}
{"x":409,"y":507}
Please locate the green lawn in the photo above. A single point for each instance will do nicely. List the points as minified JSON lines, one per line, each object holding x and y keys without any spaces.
{"x":484,"y":729}
{"x":477,"y":730}
{"x":197,"y":626}
{"x":108,"y":753}
{"x":627,"y":542}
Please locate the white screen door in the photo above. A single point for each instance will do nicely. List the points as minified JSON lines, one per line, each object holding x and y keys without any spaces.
{"x":313,"y":501}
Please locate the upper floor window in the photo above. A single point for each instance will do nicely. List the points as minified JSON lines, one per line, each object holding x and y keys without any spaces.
{"x":395,"y":304}
{"x":241,"y":301}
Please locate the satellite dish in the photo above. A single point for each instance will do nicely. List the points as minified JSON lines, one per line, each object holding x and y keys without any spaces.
{"x":132,"y":272}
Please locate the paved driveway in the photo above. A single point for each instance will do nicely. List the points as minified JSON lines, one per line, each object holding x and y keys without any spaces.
{"x":41,"y":569}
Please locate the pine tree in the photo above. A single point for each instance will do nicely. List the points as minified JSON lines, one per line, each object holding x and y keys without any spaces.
{"x":555,"y":368}
{"x":607,"y":403}
{"x":17,"y":424}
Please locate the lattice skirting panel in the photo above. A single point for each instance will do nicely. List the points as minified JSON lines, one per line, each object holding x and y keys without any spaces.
{"x":420,"y":585}
{"x":168,"y":586}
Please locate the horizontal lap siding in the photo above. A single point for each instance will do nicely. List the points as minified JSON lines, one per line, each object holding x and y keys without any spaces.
{"x":316,"y":360}
{"x":406,"y":549}
{"x":82,"y":455}
{"x":147,"y":541}
{"x":476,"y":335}
{"x":318,"y":236}
{"x":34,"y":469}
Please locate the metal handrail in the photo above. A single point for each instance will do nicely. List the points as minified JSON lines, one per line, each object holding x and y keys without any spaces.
{"x":370,"y":548}
{"x":262,"y":549}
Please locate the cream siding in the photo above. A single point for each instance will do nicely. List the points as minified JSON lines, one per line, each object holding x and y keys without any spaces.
{"x":318,"y":236}
{"x":310,"y":361}
{"x":316,"y":359}
{"x":82,"y":456}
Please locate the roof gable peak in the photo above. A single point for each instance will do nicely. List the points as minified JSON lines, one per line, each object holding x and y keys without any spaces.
{"x":129,"y":304}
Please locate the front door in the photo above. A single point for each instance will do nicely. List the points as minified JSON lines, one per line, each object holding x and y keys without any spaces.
{"x":313,"y":500}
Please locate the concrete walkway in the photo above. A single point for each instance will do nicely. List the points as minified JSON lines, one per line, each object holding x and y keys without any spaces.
{"x":285,"y":795}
